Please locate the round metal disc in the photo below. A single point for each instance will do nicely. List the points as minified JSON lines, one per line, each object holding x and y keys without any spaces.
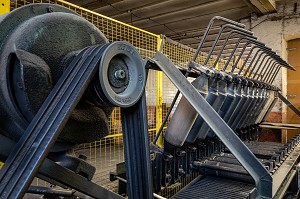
{"x":125,"y":61}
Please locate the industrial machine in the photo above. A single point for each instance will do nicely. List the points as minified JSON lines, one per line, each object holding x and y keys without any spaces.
{"x":215,"y":127}
{"x":60,"y":79}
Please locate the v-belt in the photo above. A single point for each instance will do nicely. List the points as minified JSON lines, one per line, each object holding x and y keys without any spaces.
{"x":23,"y":163}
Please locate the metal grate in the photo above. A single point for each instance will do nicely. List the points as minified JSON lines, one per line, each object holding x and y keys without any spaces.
{"x":211,"y":187}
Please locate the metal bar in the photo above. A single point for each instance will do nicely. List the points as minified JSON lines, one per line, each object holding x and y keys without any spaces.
{"x":259,"y":71}
{"x":252,"y":60}
{"x":261,"y":176}
{"x":246,"y":60}
{"x":269,"y":68}
{"x":257,"y":45}
{"x":158,"y":104}
{"x":235,"y":47}
{"x":289,"y":104}
{"x":211,"y":22}
{"x":266,"y":77}
{"x":136,"y":150}
{"x":194,"y":58}
{"x":66,"y":177}
{"x":219,"y":35}
{"x":271,"y":73}
{"x":166,"y":117}
{"x":50,"y":191}
{"x":233,"y":50}
{"x":261,"y":48}
{"x":256,"y":64}
{"x":259,"y":66}
{"x":274,"y":75}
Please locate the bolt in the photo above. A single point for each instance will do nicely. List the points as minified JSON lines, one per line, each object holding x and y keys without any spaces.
{"x":120,"y":74}
{"x":50,"y":9}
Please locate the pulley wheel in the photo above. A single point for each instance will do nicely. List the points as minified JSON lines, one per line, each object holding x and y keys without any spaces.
{"x":122,"y":76}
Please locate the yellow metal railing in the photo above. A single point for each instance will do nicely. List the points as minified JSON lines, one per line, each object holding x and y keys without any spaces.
{"x":159,"y":95}
{"x":4,"y":6}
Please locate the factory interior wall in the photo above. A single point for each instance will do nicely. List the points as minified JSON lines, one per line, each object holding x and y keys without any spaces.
{"x":293,"y":82}
{"x":276,"y":30}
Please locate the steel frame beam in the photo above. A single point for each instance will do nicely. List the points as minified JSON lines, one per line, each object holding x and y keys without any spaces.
{"x":57,"y":174}
{"x":289,"y":104}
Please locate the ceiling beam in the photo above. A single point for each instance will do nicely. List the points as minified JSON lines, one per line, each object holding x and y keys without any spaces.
{"x":264,"y":6}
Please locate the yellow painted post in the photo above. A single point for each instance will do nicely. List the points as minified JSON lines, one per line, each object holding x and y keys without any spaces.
{"x":1,"y":164}
{"x":4,"y":6}
{"x":159,"y":98}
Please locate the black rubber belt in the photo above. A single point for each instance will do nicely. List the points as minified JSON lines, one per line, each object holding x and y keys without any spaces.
{"x":23,"y":163}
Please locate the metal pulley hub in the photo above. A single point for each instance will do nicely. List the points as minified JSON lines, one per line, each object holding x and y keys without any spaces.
{"x":122,"y":77}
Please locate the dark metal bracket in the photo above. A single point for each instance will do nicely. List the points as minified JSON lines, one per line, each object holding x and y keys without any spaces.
{"x":56,"y":174}
{"x":289,"y":104}
{"x":260,"y":175}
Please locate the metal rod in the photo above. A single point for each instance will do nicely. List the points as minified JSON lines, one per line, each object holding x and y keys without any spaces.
{"x":211,"y":22}
{"x":166,"y":117}
{"x":274,"y":76}
{"x":260,"y":69}
{"x":268,"y":68}
{"x":219,"y":35}
{"x":239,"y":57}
{"x":226,"y":41}
{"x":289,"y":104}
{"x":259,"y":50}
{"x":269,"y":73}
{"x":250,"y":41}
{"x":252,"y":70}
{"x":267,"y":64}
{"x":245,"y":62}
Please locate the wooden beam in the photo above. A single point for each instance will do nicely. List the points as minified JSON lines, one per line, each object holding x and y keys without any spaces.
{"x":264,"y":6}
